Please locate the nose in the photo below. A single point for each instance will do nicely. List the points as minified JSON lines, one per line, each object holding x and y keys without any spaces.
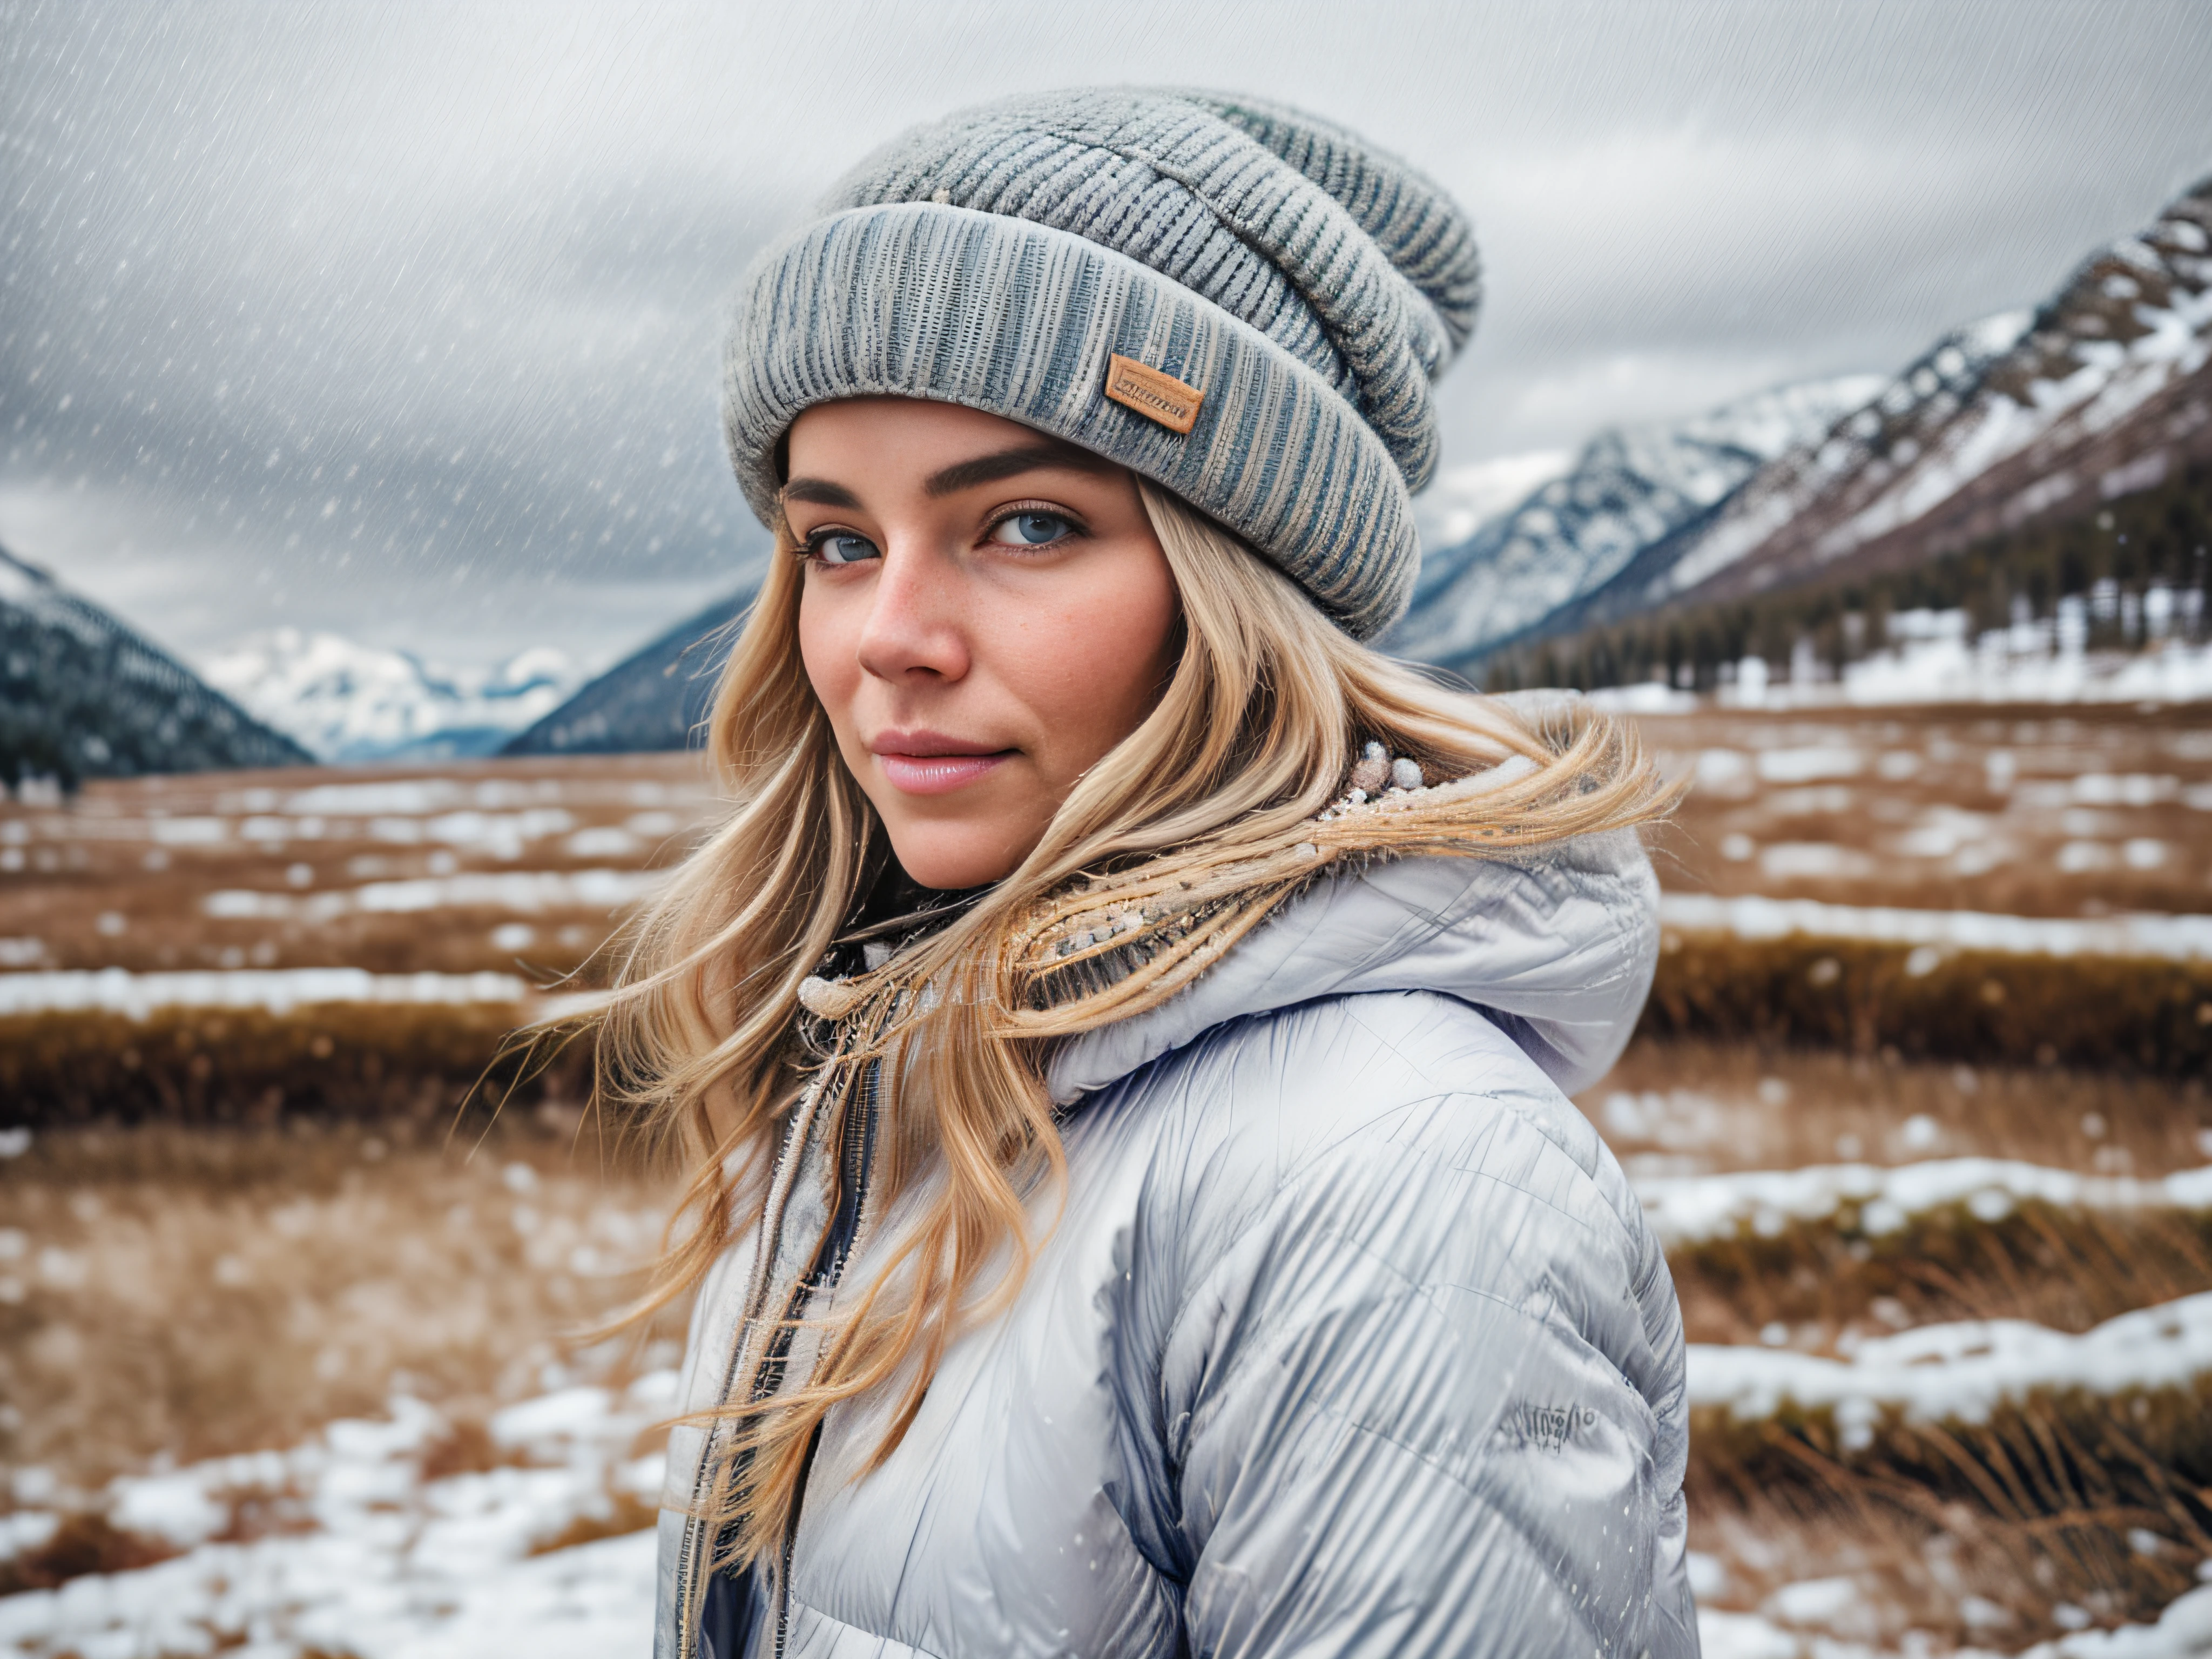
{"x":916,"y":622}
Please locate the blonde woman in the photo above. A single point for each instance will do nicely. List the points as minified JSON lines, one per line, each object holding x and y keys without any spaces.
{"x":1120,"y":1033}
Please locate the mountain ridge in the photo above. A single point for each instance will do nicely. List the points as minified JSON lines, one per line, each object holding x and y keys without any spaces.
{"x":2104,"y":390}
{"x":2026,"y":418}
{"x":84,"y":694}
{"x":1628,"y":488}
{"x":655,"y":699}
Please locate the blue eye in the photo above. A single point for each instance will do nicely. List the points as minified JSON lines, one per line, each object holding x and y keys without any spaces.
{"x":840,"y":547}
{"x":1031,"y":528}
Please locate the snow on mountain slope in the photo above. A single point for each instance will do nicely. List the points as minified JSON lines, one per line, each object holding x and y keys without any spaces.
{"x":83,"y":696}
{"x":1629,"y":488}
{"x":1461,"y":500}
{"x":2097,"y":393}
{"x":348,"y":702}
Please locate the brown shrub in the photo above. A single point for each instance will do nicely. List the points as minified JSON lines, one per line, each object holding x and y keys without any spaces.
{"x":2066,"y":1268}
{"x":465,"y":1448}
{"x":2097,"y":1500}
{"x":85,"y":1542}
{"x":1990,"y":1007}
{"x":253,"y":1066}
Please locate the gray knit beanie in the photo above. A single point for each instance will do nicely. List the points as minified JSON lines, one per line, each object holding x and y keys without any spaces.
{"x":1238,"y":301}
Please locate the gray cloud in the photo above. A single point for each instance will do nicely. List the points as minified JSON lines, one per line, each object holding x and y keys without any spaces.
{"x":403,"y":321}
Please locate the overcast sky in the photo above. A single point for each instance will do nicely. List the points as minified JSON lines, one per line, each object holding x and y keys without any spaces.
{"x":401,"y":320}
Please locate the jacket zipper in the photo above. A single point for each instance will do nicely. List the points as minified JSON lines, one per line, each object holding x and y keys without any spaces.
{"x":856,"y":1161}
{"x":790,"y":1539}
{"x":688,"y":1559}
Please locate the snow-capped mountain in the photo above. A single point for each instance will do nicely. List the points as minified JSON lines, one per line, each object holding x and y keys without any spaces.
{"x":1574,"y":533}
{"x":82,"y":695}
{"x":1461,"y":500}
{"x":653,"y":699}
{"x":348,"y":702}
{"x":2100,"y":392}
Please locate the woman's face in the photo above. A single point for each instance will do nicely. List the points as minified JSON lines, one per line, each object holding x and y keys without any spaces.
{"x":986,"y":612}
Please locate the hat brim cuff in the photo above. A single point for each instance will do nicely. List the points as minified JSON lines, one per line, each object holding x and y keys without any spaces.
{"x":919,"y":299}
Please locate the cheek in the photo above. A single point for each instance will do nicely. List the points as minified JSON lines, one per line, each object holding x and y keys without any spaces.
{"x":828,"y":653}
{"x":1089,"y":664}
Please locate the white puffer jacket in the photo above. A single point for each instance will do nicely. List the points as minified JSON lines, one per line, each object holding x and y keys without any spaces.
{"x":1350,"y":1338}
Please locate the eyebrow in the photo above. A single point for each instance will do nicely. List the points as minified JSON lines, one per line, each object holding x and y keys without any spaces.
{"x":1008,"y":462}
{"x":961,"y":474}
{"x":821,"y":493}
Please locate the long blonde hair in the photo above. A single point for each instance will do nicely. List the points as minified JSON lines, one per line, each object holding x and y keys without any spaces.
{"x":1216,"y":808}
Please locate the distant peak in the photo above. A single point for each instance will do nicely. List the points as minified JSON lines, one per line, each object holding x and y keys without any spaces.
{"x":348,"y":701}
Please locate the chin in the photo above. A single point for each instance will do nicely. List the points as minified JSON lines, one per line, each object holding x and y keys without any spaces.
{"x":951,"y":857}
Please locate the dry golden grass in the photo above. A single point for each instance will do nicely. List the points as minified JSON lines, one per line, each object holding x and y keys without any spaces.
{"x":173,"y":1294}
{"x":2068,"y":1269}
{"x":120,"y":874}
{"x":1696,"y":1104}
{"x":1946,"y":808}
{"x":284,"y":1238}
{"x":2059,"y":1460}
{"x":2068,"y":1508}
{"x":1949,"y":1570}
{"x":2079,"y":1508}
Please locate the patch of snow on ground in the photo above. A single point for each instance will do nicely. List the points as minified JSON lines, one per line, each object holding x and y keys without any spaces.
{"x":1692,"y":1209}
{"x":278,"y":990}
{"x":524,"y":890}
{"x":375,"y":1561}
{"x":1934,"y":658}
{"x":389,"y":796}
{"x":1811,"y":762}
{"x":1650,"y":698}
{"x":1952,"y":669}
{"x":2183,"y":1630}
{"x":1958,"y":1372}
{"x":1812,"y":861}
{"x":2170,"y":938}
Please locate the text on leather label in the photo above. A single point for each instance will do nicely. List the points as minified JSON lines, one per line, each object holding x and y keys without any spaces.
{"x":1155,"y":396}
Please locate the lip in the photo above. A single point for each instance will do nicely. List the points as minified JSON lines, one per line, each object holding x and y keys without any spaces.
{"x":922,"y":762}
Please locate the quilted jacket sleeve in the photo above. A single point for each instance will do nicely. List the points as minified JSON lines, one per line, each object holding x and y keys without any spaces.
{"x":1423,"y":1390}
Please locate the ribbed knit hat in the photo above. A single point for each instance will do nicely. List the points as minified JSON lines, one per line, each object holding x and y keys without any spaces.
{"x":1238,"y":301}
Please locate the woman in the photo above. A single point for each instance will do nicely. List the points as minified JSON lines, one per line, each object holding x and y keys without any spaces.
{"x":1120,"y":1032}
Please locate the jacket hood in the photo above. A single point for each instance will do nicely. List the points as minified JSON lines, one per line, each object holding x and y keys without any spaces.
{"x":1557,"y":947}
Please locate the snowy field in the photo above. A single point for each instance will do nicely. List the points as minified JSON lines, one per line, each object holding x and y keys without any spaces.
{"x":313,"y":1390}
{"x":400,"y":1533}
{"x":342,"y":1545}
{"x":2050,"y":812}
{"x":368,"y":1558}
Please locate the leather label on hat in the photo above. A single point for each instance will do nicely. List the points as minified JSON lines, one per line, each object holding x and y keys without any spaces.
{"x":1155,"y":396}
